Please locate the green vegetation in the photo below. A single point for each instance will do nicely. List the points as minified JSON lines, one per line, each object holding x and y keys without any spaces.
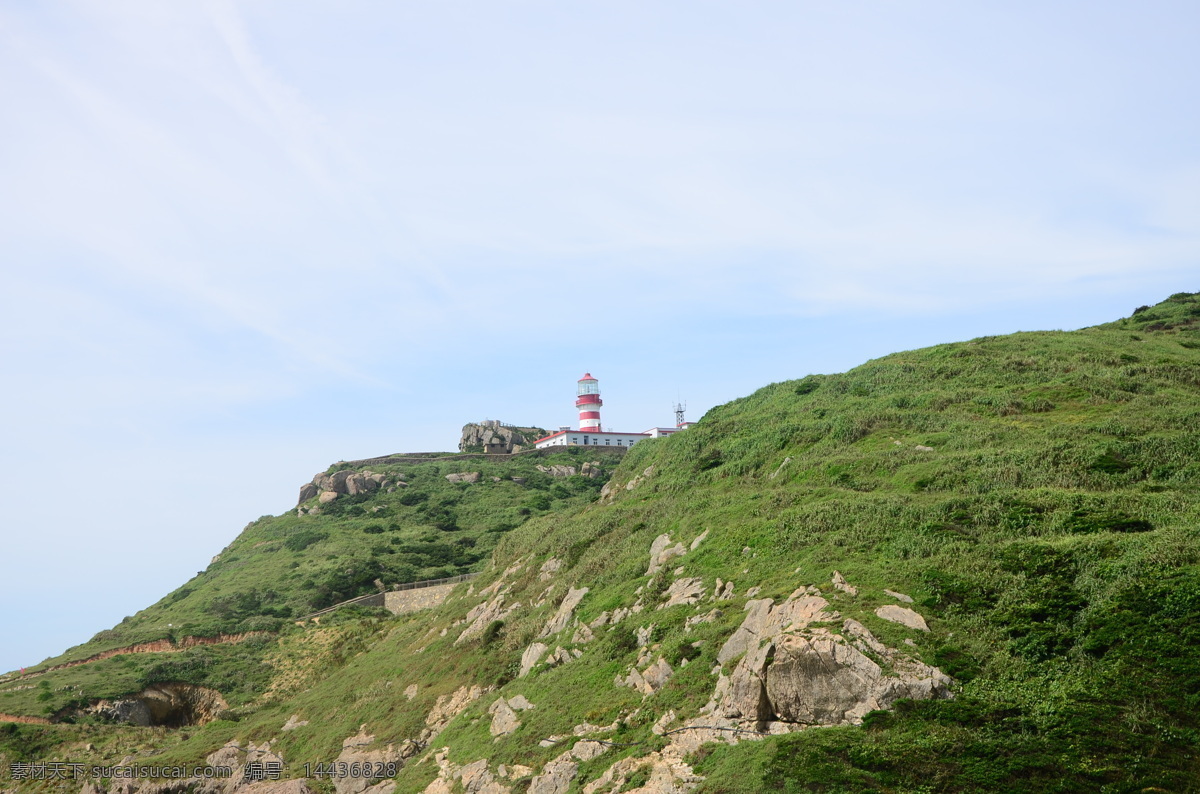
{"x":1036,"y":494}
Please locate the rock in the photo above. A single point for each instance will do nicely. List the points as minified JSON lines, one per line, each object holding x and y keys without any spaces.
{"x":840,"y":583}
{"x":661,"y":551}
{"x":899,"y":596}
{"x":519,"y":480}
{"x":566,"y":610}
{"x":448,"y":707}
{"x":307,"y":491}
{"x":698,"y":540}
{"x":722,"y":593}
{"x":410,"y":691}
{"x":920,"y":448}
{"x":520,"y":703}
{"x":327,"y":496}
{"x":531,"y":657}
{"x":660,"y":725}
{"x":354,"y":751}
{"x":477,"y":778}
{"x":683,"y":591}
{"x":293,"y":723}
{"x":466,"y":476}
{"x":337,"y":482}
{"x":591,"y":469}
{"x":504,"y":719}
{"x":549,"y":568}
{"x":746,"y":696}
{"x":825,"y":680}
{"x":696,"y":620}
{"x":644,"y":634}
{"x":588,"y":749}
{"x":763,"y":621}
{"x":902,"y":615}
{"x":360,"y":484}
{"x":557,"y":470}
{"x":495,"y":438}
{"x":483,"y":615}
{"x":556,"y":776}
{"x":656,"y":675}
{"x":582,"y":635}
{"x":786,"y":461}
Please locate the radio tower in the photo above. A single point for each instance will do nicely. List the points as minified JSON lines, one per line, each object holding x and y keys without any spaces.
{"x":679,"y":409}
{"x":589,"y":403}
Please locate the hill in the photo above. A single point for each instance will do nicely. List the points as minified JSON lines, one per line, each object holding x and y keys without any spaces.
{"x":972,"y":567}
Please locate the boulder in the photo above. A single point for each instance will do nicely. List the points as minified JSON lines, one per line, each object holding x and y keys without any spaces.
{"x":467,"y":477}
{"x":591,"y":469}
{"x":532,"y":655}
{"x":360,"y":483}
{"x":307,"y":491}
{"x":327,"y":497}
{"x":902,"y":615}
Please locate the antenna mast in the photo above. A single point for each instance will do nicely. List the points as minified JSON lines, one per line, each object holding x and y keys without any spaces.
{"x":679,"y":409}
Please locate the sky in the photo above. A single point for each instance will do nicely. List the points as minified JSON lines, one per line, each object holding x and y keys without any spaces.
{"x":244,"y":240}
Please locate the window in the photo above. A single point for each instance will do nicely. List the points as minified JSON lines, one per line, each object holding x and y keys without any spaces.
{"x":607,"y":442}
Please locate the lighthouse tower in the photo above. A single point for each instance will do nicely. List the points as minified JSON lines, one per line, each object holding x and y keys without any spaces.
{"x":589,"y":403}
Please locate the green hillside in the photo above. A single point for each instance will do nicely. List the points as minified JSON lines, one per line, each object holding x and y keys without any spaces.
{"x":1034,"y":495}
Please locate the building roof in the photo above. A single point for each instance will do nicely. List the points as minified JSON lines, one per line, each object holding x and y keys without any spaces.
{"x":586,"y":432}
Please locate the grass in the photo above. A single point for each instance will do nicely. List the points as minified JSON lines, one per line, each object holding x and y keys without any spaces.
{"x":1049,"y":533}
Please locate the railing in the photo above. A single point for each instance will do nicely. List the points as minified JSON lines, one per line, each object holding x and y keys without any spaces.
{"x":462,"y":577}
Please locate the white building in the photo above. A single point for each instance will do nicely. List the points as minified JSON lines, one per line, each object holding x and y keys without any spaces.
{"x":589,"y":433}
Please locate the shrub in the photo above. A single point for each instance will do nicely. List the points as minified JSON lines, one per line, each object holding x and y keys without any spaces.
{"x":302,"y":539}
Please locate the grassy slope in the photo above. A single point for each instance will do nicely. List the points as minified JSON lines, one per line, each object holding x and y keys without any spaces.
{"x":285,"y":566}
{"x":1051,"y":537}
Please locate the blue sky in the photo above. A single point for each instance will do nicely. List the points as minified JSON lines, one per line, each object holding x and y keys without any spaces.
{"x":245,"y":240}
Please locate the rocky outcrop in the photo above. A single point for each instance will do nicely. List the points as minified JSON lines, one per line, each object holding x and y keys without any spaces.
{"x":591,"y":469}
{"x":504,"y":714}
{"x":169,"y":705}
{"x":566,"y":611}
{"x":662,"y":552}
{"x":356,"y":750}
{"x":345,"y":483}
{"x":466,"y":476}
{"x":482,"y":615}
{"x":557,"y":470}
{"x":532,"y":655}
{"x":683,"y":591}
{"x":448,"y":707}
{"x":794,"y":670}
{"x":495,"y":438}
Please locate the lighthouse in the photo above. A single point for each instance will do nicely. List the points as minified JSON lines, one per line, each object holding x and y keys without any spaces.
{"x":589,"y":403}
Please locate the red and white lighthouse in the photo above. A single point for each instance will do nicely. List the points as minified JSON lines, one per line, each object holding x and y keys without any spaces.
{"x":589,"y":403}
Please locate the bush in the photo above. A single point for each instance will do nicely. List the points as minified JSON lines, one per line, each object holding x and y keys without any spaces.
{"x":302,"y":539}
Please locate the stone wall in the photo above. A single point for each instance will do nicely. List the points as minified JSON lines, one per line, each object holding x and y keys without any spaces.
{"x":401,"y":602}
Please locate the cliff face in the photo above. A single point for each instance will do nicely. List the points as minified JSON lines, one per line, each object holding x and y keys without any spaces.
{"x":493,"y":437}
{"x":974,"y":567}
